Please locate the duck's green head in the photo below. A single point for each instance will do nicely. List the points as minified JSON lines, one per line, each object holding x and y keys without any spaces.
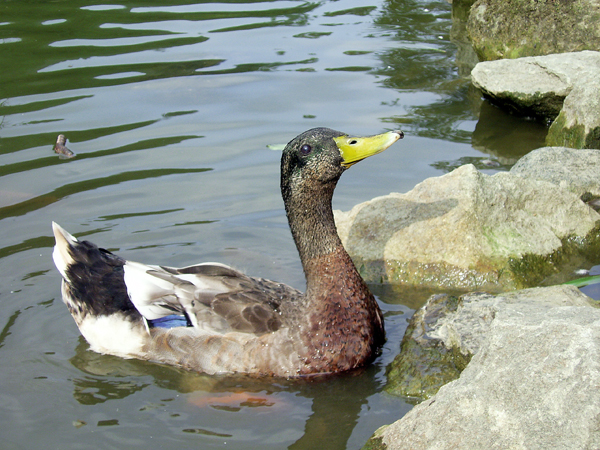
{"x":320,"y":155}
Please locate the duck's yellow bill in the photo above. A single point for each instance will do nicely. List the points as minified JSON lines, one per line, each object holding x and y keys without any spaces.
{"x":355,"y":149}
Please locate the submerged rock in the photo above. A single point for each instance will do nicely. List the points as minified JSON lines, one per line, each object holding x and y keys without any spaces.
{"x":561,"y":88}
{"x":500,"y":29}
{"x":466,"y":58}
{"x":467,"y":230}
{"x":532,"y":381}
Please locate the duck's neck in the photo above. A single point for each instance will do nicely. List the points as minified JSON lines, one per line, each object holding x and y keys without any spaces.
{"x":344,"y":326}
{"x":311,"y":221}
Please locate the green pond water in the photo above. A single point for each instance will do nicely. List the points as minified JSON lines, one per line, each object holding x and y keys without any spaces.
{"x":173,"y":110}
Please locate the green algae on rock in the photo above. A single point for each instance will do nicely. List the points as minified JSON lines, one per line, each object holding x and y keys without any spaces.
{"x":499,"y":29}
{"x":424,"y":363}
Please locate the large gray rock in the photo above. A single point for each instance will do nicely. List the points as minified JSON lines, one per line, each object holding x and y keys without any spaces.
{"x":513,"y":29}
{"x":445,"y":333}
{"x":468,"y":230}
{"x":533,"y":382}
{"x":562,"y":87}
{"x":575,"y":170}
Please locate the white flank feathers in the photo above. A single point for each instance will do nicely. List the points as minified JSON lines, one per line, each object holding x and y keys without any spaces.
{"x":114,"y":335}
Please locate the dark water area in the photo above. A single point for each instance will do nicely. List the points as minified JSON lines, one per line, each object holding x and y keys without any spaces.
{"x":175,"y":112}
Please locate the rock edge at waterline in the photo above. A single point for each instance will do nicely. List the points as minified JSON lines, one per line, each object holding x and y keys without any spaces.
{"x":559,"y":88}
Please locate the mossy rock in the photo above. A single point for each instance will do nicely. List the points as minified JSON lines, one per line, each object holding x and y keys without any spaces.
{"x":575,"y":136}
{"x":424,"y":363}
{"x":545,"y":270}
{"x":508,"y":30}
{"x":375,"y":442}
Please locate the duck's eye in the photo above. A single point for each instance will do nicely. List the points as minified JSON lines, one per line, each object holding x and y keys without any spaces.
{"x":305,"y":149}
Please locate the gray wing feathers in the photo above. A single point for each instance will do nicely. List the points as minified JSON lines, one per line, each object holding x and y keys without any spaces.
{"x":215,"y":297}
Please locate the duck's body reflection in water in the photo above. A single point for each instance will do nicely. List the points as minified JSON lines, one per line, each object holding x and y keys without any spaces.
{"x":318,"y":411}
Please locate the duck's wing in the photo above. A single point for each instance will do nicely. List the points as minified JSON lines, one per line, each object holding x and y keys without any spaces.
{"x":212,"y":296}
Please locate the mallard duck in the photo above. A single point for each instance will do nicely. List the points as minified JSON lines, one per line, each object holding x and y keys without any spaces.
{"x":210,"y":317}
{"x":61,"y":148}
